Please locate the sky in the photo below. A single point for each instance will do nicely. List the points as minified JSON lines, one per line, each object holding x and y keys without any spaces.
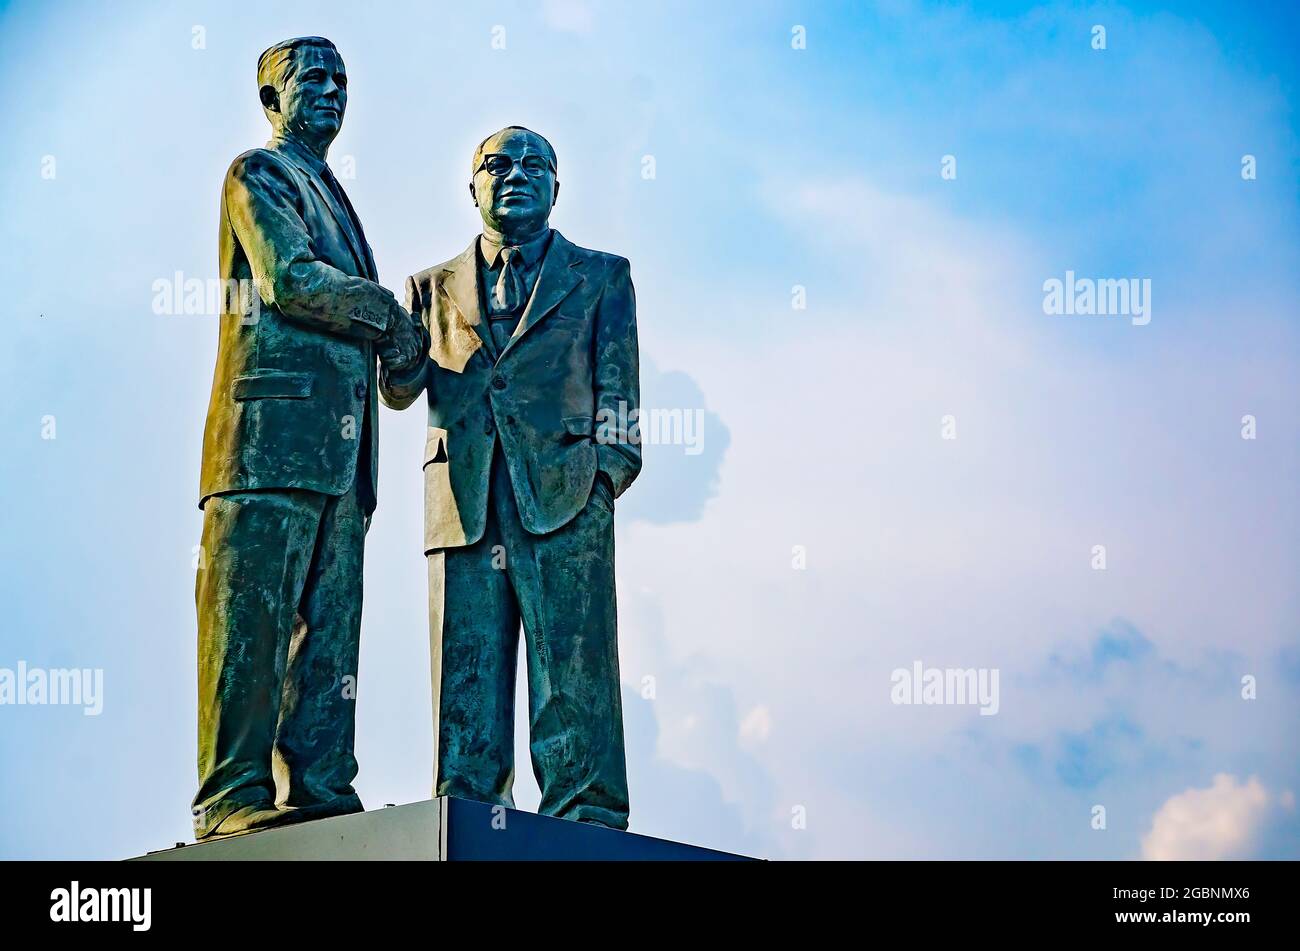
{"x":841,"y":219}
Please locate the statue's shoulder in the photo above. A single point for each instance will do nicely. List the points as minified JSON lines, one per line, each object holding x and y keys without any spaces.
{"x":258,"y":163}
{"x":426,"y":280}
{"x":593,"y":260}
{"x":425,"y":284}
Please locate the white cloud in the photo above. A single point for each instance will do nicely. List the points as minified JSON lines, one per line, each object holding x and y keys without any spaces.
{"x":971,"y":552}
{"x":569,"y":16}
{"x":757,"y":726}
{"x":1225,"y":821}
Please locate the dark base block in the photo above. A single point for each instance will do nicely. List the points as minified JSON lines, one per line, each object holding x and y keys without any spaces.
{"x":441,"y":830}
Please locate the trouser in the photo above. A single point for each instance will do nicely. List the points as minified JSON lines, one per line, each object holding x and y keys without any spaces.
{"x":279,"y":608}
{"x":561,"y":586}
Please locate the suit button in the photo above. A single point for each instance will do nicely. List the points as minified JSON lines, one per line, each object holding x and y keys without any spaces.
{"x":487,"y":428}
{"x":499,"y":382}
{"x":360,"y":390}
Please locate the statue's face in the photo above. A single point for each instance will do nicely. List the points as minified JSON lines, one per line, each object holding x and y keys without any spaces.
{"x":514,"y":186}
{"x":315,"y":94}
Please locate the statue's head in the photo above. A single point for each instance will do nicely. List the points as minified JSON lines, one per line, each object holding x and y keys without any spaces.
{"x":514,"y":183}
{"x":304,"y":88}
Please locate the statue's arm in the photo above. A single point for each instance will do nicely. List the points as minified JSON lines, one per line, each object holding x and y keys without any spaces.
{"x":399,"y":389}
{"x":617,"y":379}
{"x":261,"y":204}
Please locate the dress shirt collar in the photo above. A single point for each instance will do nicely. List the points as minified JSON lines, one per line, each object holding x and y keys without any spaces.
{"x":528,"y":253}
{"x":299,"y":152}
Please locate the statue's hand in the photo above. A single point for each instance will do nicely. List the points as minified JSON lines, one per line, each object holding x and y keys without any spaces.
{"x":403,"y":346}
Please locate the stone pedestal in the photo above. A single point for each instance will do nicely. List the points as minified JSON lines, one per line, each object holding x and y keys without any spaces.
{"x":440,"y":830}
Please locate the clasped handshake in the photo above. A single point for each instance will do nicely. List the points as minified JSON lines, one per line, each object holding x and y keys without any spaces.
{"x":403,"y":345}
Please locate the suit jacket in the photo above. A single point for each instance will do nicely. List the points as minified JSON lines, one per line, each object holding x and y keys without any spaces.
{"x":293,"y":402}
{"x":561,"y":397}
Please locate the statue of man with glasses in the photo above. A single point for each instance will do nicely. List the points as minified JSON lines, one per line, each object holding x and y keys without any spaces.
{"x":531,"y":379}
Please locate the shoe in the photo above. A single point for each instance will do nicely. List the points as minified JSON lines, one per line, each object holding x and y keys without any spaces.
{"x":327,"y":810}
{"x":251,"y":818}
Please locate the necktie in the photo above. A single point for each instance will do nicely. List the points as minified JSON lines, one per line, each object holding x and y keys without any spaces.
{"x":336,"y":190}
{"x":341,"y":197}
{"x":509,"y":290}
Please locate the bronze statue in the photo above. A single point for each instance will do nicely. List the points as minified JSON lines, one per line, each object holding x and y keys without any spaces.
{"x":290,"y":457}
{"x":531,"y":381}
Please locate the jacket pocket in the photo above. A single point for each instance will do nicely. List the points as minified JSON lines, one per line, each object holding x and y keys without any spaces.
{"x":579,"y":425}
{"x":272,"y":384}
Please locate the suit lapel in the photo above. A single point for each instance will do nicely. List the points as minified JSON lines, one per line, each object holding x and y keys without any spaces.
{"x":461,"y":285}
{"x":556,"y":280}
{"x":371,"y":271}
{"x":341,"y":219}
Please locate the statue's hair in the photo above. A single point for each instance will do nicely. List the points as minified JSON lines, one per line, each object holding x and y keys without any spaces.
{"x":478,"y":152}
{"x":273,"y":65}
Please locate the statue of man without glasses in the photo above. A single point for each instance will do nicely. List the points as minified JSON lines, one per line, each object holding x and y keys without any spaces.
{"x":290,"y":455}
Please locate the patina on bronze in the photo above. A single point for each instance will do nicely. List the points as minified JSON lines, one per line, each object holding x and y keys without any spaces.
{"x":531,"y":380}
{"x":290,"y":456}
